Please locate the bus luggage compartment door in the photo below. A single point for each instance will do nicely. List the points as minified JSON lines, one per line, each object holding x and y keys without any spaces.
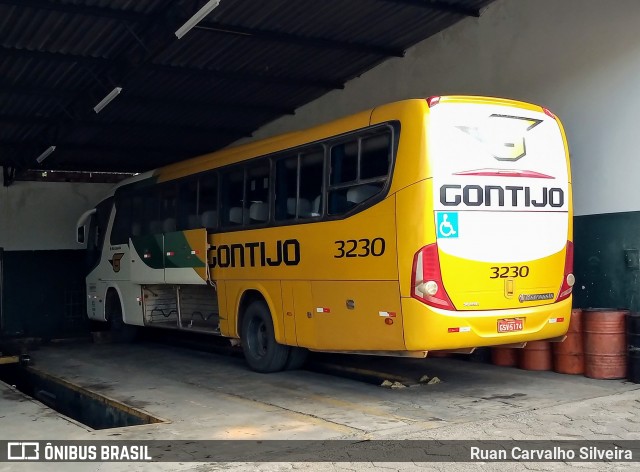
{"x":357,"y":315}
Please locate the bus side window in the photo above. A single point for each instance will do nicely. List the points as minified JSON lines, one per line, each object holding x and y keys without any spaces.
{"x":344,"y":163}
{"x":188,"y":217}
{"x":375,"y":156}
{"x":151,"y":218}
{"x":356,"y":180}
{"x":231,"y":206}
{"x":137,"y":215}
{"x":146,"y":212}
{"x":257,"y":185}
{"x":168,"y":206}
{"x":311,"y":178}
{"x":286,"y":182}
{"x":122,"y":220}
{"x":208,"y":201}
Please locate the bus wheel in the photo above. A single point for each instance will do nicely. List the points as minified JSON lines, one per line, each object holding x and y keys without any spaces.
{"x":297,"y":358}
{"x":118,"y":330}
{"x":262,"y":352}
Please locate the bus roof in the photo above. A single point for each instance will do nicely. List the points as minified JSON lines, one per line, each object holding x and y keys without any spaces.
{"x":293,"y":139}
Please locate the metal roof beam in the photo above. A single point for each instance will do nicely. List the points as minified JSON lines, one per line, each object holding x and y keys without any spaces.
{"x":202,"y":106}
{"x":135,"y":17}
{"x":85,"y":10}
{"x":295,"y":39}
{"x":125,"y":126}
{"x":246,"y":77}
{"x":131,"y":162}
{"x":439,"y":5}
{"x":165,"y":151}
{"x":182,"y":70}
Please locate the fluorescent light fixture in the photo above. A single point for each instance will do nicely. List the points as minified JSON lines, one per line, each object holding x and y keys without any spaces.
{"x":45,"y":154}
{"x":106,"y":100}
{"x":197,"y":18}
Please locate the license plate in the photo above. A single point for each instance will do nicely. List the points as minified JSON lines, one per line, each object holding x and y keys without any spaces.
{"x":507,"y":325}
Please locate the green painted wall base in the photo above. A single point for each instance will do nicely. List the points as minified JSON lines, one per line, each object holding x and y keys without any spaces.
{"x":607,"y":261}
{"x":43,"y":294}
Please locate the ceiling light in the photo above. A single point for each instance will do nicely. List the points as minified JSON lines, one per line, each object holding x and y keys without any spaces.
{"x":197,"y":18}
{"x":45,"y":154}
{"x":106,"y":100}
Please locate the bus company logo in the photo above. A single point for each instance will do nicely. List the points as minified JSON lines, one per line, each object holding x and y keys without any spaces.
{"x":23,"y":451}
{"x":503,"y":135}
{"x":255,"y":254}
{"x":115,"y":261}
{"x":535,"y":297}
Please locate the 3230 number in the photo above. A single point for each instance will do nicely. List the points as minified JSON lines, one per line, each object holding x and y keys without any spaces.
{"x":505,"y":272}
{"x":360,"y":248}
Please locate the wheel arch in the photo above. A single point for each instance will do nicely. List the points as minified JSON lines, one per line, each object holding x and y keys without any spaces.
{"x":260,"y":293}
{"x":111,"y":292}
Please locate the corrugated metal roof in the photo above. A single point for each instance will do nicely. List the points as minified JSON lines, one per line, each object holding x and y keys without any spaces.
{"x":245,"y":64}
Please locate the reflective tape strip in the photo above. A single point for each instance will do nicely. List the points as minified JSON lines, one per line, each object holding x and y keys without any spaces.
{"x":387,"y":314}
{"x":323,"y":310}
{"x":459,"y":329}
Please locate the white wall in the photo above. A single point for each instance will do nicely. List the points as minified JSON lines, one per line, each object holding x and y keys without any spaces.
{"x":43,"y":215}
{"x":580,"y":58}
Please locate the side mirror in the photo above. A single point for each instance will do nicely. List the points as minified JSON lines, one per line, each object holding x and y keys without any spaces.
{"x":81,"y":236}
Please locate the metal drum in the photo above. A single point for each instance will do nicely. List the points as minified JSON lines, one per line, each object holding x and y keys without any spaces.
{"x":605,"y":346}
{"x":568,"y":356}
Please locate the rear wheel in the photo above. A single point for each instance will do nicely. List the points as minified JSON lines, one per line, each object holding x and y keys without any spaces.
{"x":118,"y":330}
{"x":261,"y":350}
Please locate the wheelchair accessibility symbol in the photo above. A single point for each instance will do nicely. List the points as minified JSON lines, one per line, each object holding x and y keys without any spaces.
{"x":447,"y":224}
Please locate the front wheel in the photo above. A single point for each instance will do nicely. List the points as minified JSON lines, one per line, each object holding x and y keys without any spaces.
{"x":261,"y":350}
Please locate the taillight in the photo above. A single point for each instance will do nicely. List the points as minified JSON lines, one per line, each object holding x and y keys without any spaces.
{"x":426,"y":279}
{"x":549,"y":113}
{"x":568,"y":278}
{"x":433,"y":101}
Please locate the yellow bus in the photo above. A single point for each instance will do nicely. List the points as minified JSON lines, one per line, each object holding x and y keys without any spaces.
{"x":426,"y":224}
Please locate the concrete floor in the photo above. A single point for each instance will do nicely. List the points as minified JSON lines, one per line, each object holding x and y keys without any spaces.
{"x":209,"y":396}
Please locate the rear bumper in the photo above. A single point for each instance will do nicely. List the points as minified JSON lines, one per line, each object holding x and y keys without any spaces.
{"x":427,"y":328}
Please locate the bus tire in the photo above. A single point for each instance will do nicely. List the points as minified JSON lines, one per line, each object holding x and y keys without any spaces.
{"x":297,"y":358}
{"x":119,"y":331}
{"x":261,"y":350}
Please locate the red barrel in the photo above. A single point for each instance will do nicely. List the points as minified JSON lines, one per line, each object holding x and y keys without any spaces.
{"x":605,"y":348}
{"x":536,"y":355}
{"x":504,"y":356}
{"x":568,"y":356}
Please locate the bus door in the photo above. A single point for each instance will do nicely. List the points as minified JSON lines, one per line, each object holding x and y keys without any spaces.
{"x":96,"y":286}
{"x":185,"y":257}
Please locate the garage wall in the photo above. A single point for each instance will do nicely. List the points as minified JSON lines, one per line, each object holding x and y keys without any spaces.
{"x":581,"y":59}
{"x":42,"y":286}
{"x":43,"y":215}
